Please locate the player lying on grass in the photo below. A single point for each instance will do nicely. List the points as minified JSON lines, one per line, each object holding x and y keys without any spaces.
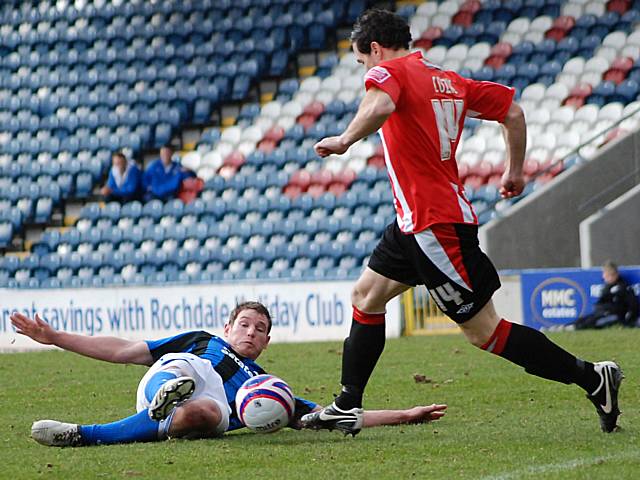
{"x":190,"y":389}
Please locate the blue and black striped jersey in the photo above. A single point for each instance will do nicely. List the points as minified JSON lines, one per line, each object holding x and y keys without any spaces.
{"x":233,"y":368}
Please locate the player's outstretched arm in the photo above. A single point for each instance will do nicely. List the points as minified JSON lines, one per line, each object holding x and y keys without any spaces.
{"x":420,"y":414}
{"x":110,"y":349}
{"x":375,"y":108}
{"x":515,"y":136}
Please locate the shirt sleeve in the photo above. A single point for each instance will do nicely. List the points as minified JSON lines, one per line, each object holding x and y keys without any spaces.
{"x":488,"y":100}
{"x":383,"y":78}
{"x":184,"y":342}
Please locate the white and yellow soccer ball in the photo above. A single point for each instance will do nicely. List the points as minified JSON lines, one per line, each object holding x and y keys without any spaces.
{"x":265,"y":403}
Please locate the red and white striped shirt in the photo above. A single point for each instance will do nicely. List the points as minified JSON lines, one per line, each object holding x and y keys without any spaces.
{"x":421,"y":136}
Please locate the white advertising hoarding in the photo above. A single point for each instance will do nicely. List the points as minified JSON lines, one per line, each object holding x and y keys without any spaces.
{"x":301,"y":312}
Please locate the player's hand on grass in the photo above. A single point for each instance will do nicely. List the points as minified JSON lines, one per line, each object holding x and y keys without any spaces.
{"x":36,"y":329}
{"x":512,"y":185}
{"x":426,"y":413}
{"x":330,"y":145}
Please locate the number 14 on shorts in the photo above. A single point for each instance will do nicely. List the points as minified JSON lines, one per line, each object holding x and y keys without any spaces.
{"x":444,"y":294}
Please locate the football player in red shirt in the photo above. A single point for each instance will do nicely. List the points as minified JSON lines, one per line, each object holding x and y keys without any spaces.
{"x":419,"y":110}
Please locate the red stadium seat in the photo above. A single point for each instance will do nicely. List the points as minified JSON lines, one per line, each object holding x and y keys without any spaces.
{"x":618,"y":71}
{"x":495,"y":61}
{"x":564,"y":23}
{"x":306,"y":120}
{"x":618,"y":6}
{"x":471,"y":6}
{"x":235,"y":159}
{"x":462,"y":18}
{"x":614,"y":75}
{"x":376,"y":161}
{"x":227,"y":171}
{"x":301,"y":178}
{"x":530,"y":167}
{"x":316,"y":190}
{"x":315,"y":109}
{"x":322,"y":177}
{"x":292,"y":191}
{"x":267,"y":146}
{"x":501,"y":49}
{"x":190,"y":188}
{"x":473,"y":181}
{"x":495,"y":180}
{"x":582,"y":90}
{"x":346,"y":177}
{"x":573,"y":101}
{"x":556,"y":34}
{"x":275,"y":133}
{"x":431,"y":33}
{"x":422,"y":43}
{"x":337,"y":188}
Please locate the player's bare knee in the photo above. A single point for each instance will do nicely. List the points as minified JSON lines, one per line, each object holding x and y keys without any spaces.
{"x":203,"y":416}
{"x":197,"y":416}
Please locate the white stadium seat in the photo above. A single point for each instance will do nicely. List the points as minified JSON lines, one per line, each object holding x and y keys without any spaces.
{"x":608,"y":53}
{"x":596,"y":8}
{"x":631,"y":51}
{"x":615,"y":40}
{"x":271,"y":109}
{"x":588,"y":113}
{"x":427,"y":9}
{"x":519,"y":25}
{"x":533,"y":36}
{"x":596,"y":64}
{"x":534,"y":92}
{"x":541,"y":24}
{"x":310,"y":84}
{"x":441,"y":20}
{"x":191,"y":160}
{"x":611,"y":111}
{"x":292,"y":108}
{"x":574,"y":66}
{"x":436,"y":54}
{"x":480,"y":50}
{"x":458,"y":52}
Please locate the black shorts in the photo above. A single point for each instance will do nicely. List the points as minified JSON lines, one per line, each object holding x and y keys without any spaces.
{"x":447,"y":259}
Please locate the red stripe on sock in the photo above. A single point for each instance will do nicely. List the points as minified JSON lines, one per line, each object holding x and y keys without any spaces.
{"x":368,"y":318}
{"x":499,"y":338}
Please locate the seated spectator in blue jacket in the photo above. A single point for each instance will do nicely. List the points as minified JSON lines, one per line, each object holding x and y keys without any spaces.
{"x":125,"y":180}
{"x":163,"y":177}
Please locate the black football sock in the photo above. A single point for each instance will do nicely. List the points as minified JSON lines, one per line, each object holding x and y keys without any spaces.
{"x":539,"y":356}
{"x":361,"y":352}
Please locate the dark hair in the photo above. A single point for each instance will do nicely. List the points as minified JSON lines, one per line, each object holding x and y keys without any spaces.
{"x":386,"y":28}
{"x":119,"y":154}
{"x":168,"y":145}
{"x":257,"y":306}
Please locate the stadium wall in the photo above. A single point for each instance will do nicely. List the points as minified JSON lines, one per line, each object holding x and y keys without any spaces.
{"x":613,"y":232}
{"x":542,"y":230}
{"x":302,"y":312}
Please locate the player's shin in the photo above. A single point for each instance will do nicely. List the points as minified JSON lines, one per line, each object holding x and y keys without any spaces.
{"x":156,"y":381}
{"x":362,"y":349}
{"x":532,"y":350}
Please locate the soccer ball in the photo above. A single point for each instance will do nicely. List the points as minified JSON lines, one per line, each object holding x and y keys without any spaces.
{"x":265,"y":403}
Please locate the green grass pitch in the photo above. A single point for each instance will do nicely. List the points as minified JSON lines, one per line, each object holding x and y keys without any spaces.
{"x":501,"y":423}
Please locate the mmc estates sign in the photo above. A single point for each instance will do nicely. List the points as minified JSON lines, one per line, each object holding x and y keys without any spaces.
{"x":559,"y":296}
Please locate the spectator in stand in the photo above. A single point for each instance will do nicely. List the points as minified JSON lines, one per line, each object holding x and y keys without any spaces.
{"x":125,"y":180}
{"x":617,"y":304}
{"x":163,"y":177}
